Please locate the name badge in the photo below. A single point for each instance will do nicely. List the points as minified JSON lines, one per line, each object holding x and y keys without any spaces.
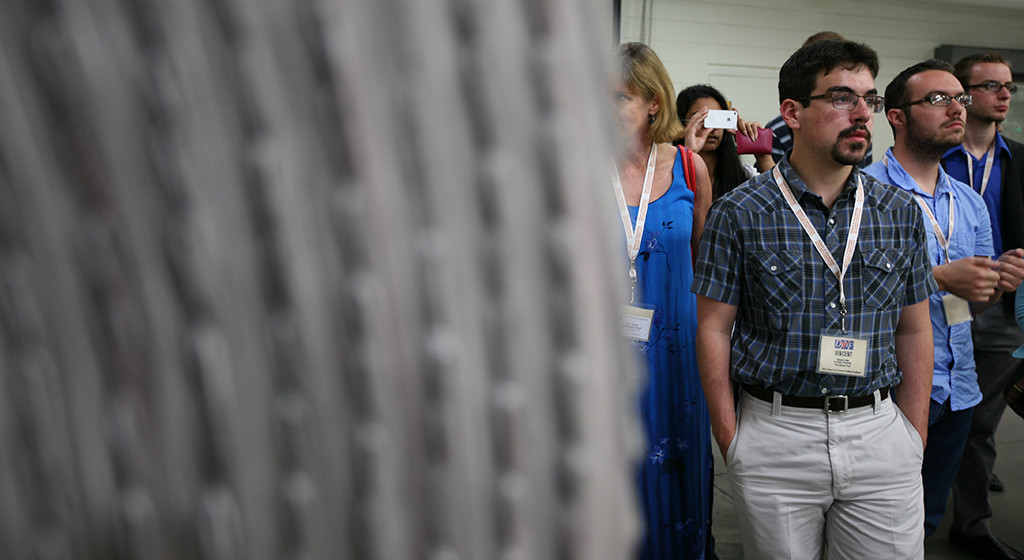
{"x":636,"y":323}
{"x":843,"y":354}
{"x":957,"y":309}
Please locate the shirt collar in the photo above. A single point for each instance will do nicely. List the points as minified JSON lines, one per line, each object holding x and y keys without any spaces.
{"x":899,"y":177}
{"x":1001,"y":147}
{"x":799,"y":188}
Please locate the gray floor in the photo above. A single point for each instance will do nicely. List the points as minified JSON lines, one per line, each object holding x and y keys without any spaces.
{"x":1007,"y":523}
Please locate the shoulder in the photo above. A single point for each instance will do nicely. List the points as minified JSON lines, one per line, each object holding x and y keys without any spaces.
{"x":756,"y":195}
{"x":885,"y":196}
{"x":878,"y":171}
{"x":1016,"y":149}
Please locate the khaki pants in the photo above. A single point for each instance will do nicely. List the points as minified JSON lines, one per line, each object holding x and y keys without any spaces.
{"x":803,"y":479}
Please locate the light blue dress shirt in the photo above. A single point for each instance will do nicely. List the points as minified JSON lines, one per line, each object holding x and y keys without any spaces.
{"x":955,"y":377}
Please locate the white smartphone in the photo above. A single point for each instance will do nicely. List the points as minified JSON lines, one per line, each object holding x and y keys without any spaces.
{"x":721,"y":119}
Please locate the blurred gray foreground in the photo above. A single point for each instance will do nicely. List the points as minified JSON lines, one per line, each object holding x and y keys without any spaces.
{"x":310,"y":280}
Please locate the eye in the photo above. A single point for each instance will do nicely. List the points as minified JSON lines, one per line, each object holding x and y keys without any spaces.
{"x":842,"y":98}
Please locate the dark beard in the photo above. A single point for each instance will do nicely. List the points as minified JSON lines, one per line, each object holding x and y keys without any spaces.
{"x":926,"y":149}
{"x":851,"y":158}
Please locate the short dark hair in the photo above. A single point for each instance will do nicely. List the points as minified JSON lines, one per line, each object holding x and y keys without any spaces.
{"x":962,"y":68}
{"x":896,"y":91}
{"x":799,"y":74}
{"x":821,"y":36}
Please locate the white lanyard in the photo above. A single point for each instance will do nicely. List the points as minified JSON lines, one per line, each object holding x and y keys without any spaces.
{"x":633,"y":235}
{"x":942,"y":238}
{"x":826,"y":255}
{"x":988,"y":168}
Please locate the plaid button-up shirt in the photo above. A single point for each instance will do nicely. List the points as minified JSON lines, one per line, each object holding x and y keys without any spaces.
{"x":755,"y":255}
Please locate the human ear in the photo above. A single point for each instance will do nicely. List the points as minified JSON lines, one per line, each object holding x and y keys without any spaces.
{"x":789,"y":109}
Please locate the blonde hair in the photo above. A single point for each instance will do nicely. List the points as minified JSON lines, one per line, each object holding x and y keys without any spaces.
{"x":643,"y":73}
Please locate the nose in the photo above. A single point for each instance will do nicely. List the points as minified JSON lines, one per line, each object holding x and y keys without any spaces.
{"x":955,"y":107}
{"x":861,"y":110}
{"x":1004,"y":92}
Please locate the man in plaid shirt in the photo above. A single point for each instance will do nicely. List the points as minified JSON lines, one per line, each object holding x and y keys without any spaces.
{"x":812,"y":288}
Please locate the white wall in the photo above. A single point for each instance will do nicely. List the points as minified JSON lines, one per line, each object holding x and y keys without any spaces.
{"x":739,"y":45}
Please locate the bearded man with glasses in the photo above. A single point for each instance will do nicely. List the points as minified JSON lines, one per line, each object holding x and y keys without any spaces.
{"x":812,"y":286}
{"x":926,"y":107}
{"x":994,"y":167}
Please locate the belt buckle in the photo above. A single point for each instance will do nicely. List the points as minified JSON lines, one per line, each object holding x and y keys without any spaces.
{"x":842,"y":403}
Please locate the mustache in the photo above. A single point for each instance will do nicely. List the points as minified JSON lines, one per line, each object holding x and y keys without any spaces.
{"x":856,"y":128}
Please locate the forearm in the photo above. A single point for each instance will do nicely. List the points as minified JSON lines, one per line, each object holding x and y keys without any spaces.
{"x":713,"y":360}
{"x":764,"y":162}
{"x":915,"y":356}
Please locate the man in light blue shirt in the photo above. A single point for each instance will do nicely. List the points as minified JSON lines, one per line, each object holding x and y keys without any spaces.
{"x":925,"y":108}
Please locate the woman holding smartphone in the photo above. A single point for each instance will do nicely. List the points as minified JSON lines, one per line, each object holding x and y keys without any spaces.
{"x":716,"y":146}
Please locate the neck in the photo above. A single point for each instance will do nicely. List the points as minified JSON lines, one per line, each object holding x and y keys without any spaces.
{"x":824,"y":178}
{"x":923,"y":168}
{"x":636,"y":153}
{"x":979,"y":136}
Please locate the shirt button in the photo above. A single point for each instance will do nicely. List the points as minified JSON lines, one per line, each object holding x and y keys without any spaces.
{"x":888,"y":265}
{"x":832,"y":221}
{"x":824,"y":390}
{"x":832,"y":305}
{"x":774,"y":268}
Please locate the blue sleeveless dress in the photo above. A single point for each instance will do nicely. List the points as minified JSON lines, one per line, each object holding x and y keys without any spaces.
{"x":675,"y":477}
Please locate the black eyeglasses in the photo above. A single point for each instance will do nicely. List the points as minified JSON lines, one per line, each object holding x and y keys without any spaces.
{"x":994,"y":86}
{"x":848,"y":101}
{"x":943,"y":100}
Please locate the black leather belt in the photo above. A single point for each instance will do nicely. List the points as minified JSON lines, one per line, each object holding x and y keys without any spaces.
{"x":833,"y":403}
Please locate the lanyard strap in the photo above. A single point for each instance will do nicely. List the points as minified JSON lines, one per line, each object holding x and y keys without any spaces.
{"x":942,"y":238}
{"x":819,"y":244}
{"x":634,"y":234}
{"x":989,"y":157}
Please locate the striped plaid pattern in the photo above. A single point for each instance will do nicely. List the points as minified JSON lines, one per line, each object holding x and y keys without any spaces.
{"x":755,"y":255}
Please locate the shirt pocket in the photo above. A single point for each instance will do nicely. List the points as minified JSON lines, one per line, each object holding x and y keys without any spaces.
{"x":884,"y":277}
{"x":778,"y":279}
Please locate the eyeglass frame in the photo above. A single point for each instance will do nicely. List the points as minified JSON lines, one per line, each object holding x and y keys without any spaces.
{"x":831,"y":95}
{"x":989,"y":84}
{"x":930,"y":98}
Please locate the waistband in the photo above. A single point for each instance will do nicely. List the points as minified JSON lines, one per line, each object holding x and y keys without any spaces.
{"x":831,"y":403}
